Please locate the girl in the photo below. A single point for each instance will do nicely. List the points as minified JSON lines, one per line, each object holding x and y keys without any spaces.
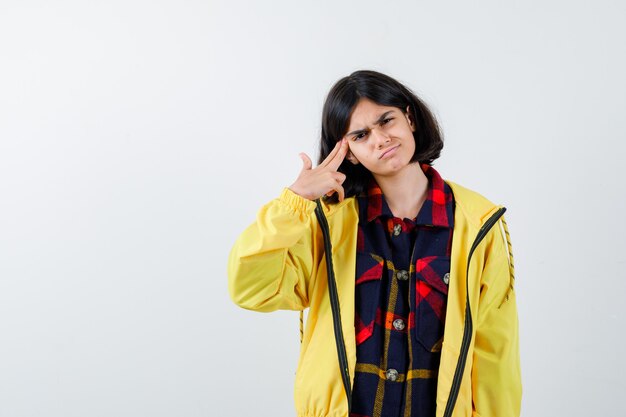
{"x":408,"y":277}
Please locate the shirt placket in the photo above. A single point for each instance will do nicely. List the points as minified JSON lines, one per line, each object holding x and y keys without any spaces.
{"x":399,"y":242}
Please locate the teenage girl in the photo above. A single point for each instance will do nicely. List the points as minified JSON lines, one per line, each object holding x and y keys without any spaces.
{"x":408,"y":277}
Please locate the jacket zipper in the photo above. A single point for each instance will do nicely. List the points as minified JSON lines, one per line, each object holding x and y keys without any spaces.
{"x":334,"y":303}
{"x":467,"y":331}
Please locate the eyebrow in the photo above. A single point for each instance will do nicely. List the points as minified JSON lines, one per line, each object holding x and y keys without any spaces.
{"x":380,"y":119}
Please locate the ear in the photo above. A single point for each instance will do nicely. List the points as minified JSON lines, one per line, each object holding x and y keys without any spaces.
{"x":350,"y":157}
{"x":409,"y":118}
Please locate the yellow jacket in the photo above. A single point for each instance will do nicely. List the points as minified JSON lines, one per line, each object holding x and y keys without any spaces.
{"x":278,"y":263}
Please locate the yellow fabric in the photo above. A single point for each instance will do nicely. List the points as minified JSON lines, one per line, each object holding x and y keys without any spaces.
{"x":278,"y":263}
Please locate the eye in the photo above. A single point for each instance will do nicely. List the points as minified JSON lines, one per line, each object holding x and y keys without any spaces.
{"x":359,"y":136}
{"x":387,"y":120}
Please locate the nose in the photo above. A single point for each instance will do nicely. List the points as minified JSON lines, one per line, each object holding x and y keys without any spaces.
{"x":380,"y":138}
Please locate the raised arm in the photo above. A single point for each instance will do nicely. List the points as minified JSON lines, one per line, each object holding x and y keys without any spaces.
{"x":272,"y":261}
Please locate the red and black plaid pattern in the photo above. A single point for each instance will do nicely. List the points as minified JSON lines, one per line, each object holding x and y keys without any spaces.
{"x":402,"y":276}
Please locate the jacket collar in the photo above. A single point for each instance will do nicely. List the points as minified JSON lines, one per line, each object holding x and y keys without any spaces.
{"x":473,"y":206}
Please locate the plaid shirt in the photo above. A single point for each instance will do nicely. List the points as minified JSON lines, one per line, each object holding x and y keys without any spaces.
{"x":402,"y":275}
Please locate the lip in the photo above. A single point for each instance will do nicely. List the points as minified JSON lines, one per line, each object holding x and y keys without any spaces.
{"x":389,"y":152}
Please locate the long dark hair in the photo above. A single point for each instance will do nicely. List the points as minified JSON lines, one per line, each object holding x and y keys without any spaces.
{"x":383,"y":90}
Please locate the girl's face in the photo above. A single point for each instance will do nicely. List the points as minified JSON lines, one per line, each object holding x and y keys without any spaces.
{"x":380,"y":138}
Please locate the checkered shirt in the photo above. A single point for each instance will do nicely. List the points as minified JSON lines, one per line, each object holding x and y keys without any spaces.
{"x":402,"y":275}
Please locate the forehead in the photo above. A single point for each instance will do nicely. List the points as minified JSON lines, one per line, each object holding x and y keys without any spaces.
{"x":366,"y":112}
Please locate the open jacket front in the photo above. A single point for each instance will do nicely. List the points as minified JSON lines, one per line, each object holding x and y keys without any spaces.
{"x":278,"y":262}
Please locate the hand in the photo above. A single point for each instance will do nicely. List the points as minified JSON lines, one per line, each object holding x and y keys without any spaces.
{"x":324,"y":179}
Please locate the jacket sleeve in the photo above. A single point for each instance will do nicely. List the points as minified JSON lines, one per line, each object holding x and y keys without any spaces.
{"x":270,"y":264}
{"x":496,"y":374}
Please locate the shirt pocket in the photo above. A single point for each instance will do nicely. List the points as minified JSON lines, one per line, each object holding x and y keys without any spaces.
{"x":430,"y":296}
{"x":369,"y":272}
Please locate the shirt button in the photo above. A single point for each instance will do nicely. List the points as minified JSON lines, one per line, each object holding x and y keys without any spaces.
{"x":398,"y":324}
{"x":446,"y":278}
{"x":402,"y":275}
{"x":391,"y":374}
{"x":397,"y":229}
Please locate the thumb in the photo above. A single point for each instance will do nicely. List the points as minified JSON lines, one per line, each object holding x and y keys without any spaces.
{"x":306,"y":162}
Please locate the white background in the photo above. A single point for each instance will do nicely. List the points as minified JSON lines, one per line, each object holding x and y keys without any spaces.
{"x":139,"y":138}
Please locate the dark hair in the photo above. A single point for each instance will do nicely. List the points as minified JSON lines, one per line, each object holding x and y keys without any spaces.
{"x":383,"y":90}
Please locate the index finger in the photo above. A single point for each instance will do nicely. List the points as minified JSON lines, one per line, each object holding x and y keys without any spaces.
{"x":339,"y":156}
{"x":332,"y":154}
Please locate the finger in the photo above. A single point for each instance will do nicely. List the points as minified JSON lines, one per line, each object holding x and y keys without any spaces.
{"x":306,"y":162}
{"x":331,"y":155}
{"x":340,"y":177}
{"x":339,"y":156}
{"x":336,"y":176}
{"x":340,"y":191}
{"x":336,"y":188}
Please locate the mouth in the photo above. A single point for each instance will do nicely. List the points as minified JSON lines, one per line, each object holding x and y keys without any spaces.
{"x":389,"y":152}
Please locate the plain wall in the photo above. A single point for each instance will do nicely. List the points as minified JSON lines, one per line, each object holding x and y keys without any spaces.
{"x":139,"y":138}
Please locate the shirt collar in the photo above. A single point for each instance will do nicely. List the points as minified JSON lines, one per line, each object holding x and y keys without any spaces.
{"x":437,"y":210}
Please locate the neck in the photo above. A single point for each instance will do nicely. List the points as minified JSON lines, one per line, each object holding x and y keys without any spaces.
{"x":405,"y":204}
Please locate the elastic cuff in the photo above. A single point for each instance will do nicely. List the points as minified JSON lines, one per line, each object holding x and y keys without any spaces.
{"x":297,"y":202}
